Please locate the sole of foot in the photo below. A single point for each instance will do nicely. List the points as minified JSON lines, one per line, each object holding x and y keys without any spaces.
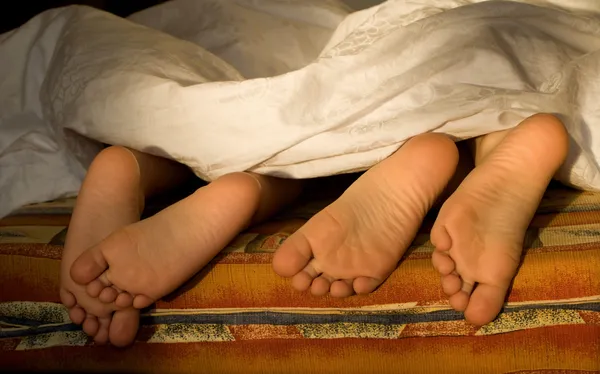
{"x":105,"y":204}
{"x":480,"y":229}
{"x":140,"y":263}
{"x":355,"y":243}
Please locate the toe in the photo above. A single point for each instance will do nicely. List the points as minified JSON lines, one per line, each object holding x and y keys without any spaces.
{"x":364,"y":285}
{"x":451,"y":284}
{"x":342,"y":288}
{"x":293,"y":255}
{"x":101,"y":336}
{"x":124,"y":327}
{"x":94,"y":288}
{"x":108,"y":295}
{"x":321,"y":285}
{"x":303,"y":280}
{"x":67,"y":298}
{"x":142,"y":301}
{"x":485,"y":303}
{"x":90,"y":325}
{"x":442,"y":262}
{"x":460,"y":300}
{"x":88,"y":266}
{"x":439,"y":237}
{"x":124,"y":300}
{"x":77,"y":315}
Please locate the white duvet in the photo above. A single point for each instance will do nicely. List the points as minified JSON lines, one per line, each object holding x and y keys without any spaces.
{"x":293,"y":88}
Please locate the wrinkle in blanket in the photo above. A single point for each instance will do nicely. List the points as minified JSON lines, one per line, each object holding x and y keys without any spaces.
{"x":290,"y":88}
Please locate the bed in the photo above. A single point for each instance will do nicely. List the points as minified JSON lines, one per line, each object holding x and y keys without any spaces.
{"x":238,"y":316}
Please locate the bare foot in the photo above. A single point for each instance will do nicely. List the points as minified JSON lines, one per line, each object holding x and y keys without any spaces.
{"x":355,"y":243}
{"x":147,"y":260}
{"x":480,"y":229}
{"x":105,"y":203}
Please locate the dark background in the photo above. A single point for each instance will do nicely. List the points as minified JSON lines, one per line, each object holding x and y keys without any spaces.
{"x":14,"y":13}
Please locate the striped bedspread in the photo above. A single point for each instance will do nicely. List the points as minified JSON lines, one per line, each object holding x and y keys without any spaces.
{"x":237,"y":316}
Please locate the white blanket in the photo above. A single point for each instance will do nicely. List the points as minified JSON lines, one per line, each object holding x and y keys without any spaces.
{"x":293,"y":88}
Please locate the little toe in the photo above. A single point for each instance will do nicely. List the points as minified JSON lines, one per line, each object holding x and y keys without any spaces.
{"x":442,"y":262}
{"x":67,"y":298}
{"x":124,"y":327}
{"x":365,"y":285}
{"x":321,"y":285}
{"x":451,"y":284}
{"x":108,"y":295}
{"x":88,"y":266}
{"x":77,"y":315}
{"x":142,"y":301}
{"x":293,"y":255}
{"x":303,"y":280}
{"x":101,"y":336}
{"x":342,"y":288}
{"x":124,"y":300}
{"x":485,"y":304}
{"x":90,"y":325}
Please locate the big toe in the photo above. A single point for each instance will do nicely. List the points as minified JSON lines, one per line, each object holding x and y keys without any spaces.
{"x":124,"y":327}
{"x":293,"y":255}
{"x":88,"y":266}
{"x":485,"y":303}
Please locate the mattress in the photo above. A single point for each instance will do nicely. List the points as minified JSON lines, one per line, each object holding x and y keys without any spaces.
{"x":238,"y":316}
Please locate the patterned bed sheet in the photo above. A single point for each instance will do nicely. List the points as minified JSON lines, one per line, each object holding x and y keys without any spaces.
{"x":238,"y":316}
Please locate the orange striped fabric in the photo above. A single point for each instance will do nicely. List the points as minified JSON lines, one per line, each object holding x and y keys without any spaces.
{"x":238,"y":316}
